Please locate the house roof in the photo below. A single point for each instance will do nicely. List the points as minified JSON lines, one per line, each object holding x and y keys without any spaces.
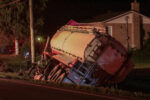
{"x":111,"y":16}
{"x":103,"y":17}
{"x":123,"y":14}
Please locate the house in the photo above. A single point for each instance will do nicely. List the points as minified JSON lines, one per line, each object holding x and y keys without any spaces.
{"x":131,"y":28}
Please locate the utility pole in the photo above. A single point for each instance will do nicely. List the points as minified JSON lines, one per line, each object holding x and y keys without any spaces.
{"x":32,"y":32}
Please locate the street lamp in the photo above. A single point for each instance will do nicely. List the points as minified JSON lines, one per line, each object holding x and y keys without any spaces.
{"x":39,"y":39}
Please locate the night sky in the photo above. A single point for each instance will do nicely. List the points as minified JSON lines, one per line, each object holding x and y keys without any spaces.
{"x":59,"y":12}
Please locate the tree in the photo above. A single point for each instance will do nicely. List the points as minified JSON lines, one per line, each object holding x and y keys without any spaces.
{"x":14,"y":18}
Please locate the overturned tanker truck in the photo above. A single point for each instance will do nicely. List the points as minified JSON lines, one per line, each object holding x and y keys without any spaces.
{"x":84,"y":54}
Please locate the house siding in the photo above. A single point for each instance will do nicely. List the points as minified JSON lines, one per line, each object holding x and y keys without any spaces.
{"x":119,"y":32}
{"x":146,"y":31}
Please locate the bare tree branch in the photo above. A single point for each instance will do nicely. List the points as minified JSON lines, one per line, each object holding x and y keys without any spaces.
{"x":5,"y":5}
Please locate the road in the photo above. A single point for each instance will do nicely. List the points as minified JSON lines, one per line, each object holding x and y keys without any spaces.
{"x":20,"y":90}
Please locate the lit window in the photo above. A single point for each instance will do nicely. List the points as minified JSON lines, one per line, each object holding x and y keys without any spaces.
{"x":109,"y":30}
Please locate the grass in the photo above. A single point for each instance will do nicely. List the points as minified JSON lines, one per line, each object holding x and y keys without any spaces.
{"x":14,"y":62}
{"x":141,"y":65}
{"x":10,"y":75}
{"x":141,"y":58}
{"x":139,"y":79}
{"x":138,"y":83}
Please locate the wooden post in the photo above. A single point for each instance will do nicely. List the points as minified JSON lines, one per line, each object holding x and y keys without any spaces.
{"x":32,"y":32}
{"x":47,"y":43}
{"x":16,"y":47}
{"x":45,"y":49}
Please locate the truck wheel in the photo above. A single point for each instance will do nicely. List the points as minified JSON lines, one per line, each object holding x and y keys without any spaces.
{"x":60,"y":78}
{"x":54,"y":70}
{"x":56,"y":75}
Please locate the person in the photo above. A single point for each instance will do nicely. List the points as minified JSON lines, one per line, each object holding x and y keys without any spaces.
{"x":27,"y":58}
{"x":26,"y":54}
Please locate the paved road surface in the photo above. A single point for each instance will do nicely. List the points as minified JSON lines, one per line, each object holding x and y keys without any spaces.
{"x":20,"y":90}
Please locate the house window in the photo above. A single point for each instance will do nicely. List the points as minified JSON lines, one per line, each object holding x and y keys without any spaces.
{"x":109,"y":30}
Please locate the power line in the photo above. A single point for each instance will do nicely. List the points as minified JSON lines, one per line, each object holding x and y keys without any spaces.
{"x":8,"y":4}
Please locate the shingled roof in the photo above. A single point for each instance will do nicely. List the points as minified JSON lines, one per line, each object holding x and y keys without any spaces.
{"x":103,"y":17}
{"x":110,"y":16}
